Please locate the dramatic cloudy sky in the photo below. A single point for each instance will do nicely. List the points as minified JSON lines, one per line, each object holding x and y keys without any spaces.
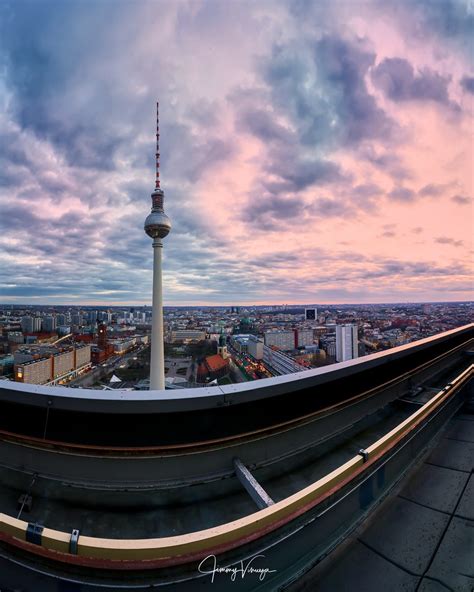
{"x":312,"y":151}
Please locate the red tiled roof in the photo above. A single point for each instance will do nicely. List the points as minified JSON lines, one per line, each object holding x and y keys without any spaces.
{"x":215,"y":362}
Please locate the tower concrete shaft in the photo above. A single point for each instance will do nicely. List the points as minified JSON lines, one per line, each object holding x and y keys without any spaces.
{"x":157,"y":226}
{"x":157,"y":359}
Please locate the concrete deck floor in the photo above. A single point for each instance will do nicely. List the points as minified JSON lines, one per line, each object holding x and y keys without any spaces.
{"x":419,"y":540}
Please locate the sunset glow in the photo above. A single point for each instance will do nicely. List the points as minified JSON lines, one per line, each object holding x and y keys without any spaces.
{"x":310,"y":151}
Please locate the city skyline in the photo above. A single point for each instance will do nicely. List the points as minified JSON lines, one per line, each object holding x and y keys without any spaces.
{"x":78,"y":305}
{"x":320,"y":152}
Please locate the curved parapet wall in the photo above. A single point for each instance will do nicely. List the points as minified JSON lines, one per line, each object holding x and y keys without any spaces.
{"x":175,"y":550}
{"x":148,"y":418}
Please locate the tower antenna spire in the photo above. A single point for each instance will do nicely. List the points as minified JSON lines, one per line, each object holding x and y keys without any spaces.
{"x":157,"y":183}
{"x":157,"y":226}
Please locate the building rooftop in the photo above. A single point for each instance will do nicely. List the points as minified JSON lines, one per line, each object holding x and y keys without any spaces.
{"x":421,"y":537}
{"x":215,"y":362}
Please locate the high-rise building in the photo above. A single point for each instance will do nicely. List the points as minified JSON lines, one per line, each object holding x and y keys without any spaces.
{"x":27,"y":324}
{"x":347,"y":343}
{"x":77,"y":320}
{"x":49,"y":324}
{"x":284,"y":340}
{"x":304,"y":337}
{"x":310,"y":314}
{"x":31,"y":324}
{"x":103,"y":315}
{"x":157,"y":226}
{"x":255,"y":347}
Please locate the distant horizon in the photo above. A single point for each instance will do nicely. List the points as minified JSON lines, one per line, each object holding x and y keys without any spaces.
{"x":258,"y":305}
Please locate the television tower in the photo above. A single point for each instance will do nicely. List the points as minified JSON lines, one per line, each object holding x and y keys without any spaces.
{"x":157,"y":225}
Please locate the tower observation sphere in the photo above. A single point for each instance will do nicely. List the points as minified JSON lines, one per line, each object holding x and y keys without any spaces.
{"x":157,"y":226}
{"x":157,"y":223}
